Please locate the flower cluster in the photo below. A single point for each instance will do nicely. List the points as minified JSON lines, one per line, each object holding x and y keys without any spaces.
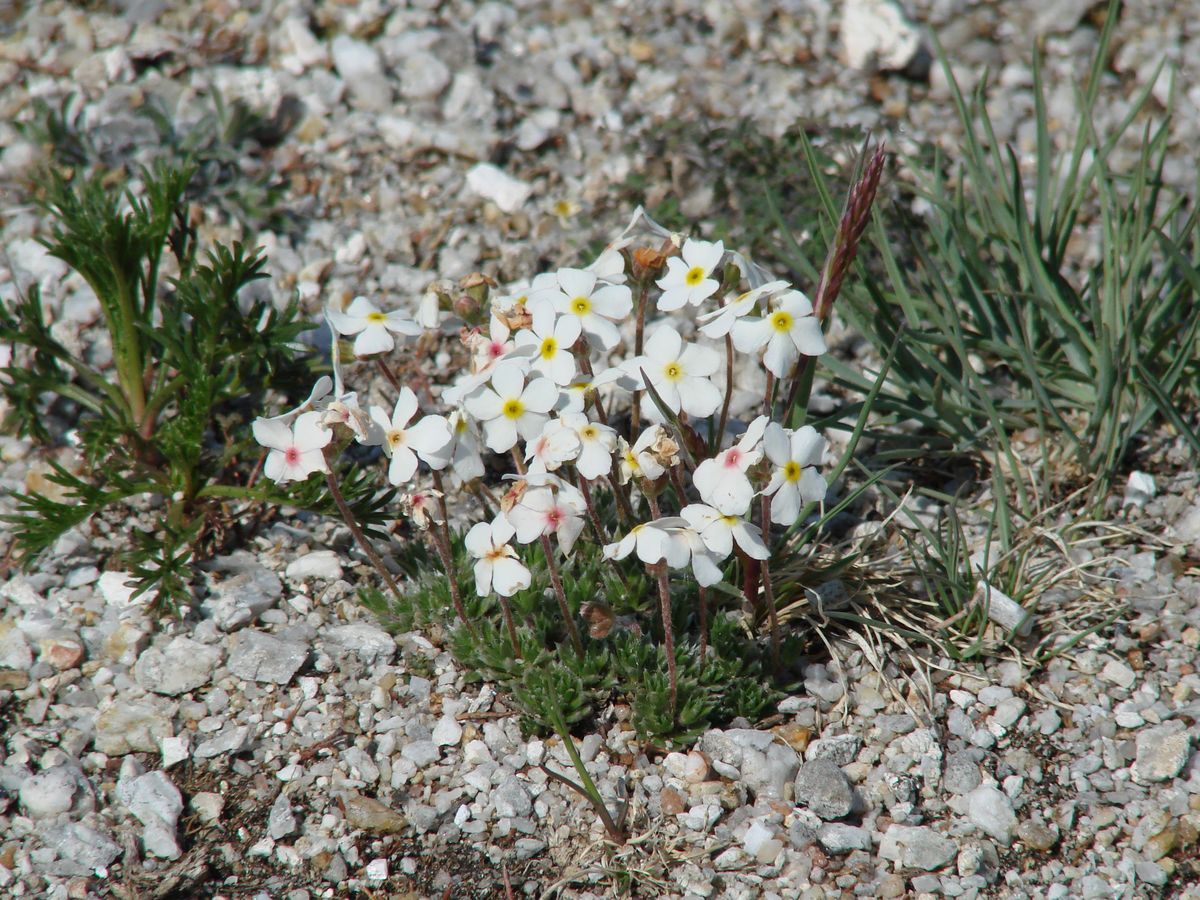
{"x":567,"y":377}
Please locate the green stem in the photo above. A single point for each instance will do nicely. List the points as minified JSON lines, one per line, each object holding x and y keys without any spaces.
{"x":588,"y":789}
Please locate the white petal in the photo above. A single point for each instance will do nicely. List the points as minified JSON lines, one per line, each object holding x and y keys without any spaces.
{"x":540,"y":395}
{"x":676,"y":277}
{"x":403,"y":467}
{"x":484,"y":405}
{"x":508,"y":381}
{"x":664,"y":345}
{"x":812,"y":486}
{"x":673,"y":299}
{"x":509,"y":576}
{"x":705,"y":568}
{"x":310,"y":435}
{"x":483,"y":577}
{"x":777,"y":444}
{"x":613,"y":301}
{"x":568,"y":531}
{"x":785,"y":505}
{"x":500,"y":434}
{"x":479,"y":539}
{"x":576,"y":282}
{"x":807,"y":336}
{"x":530,"y":524}
{"x":807,"y":446}
{"x":748,"y":539}
{"x":699,"y":397}
{"x":272,"y":433}
{"x":603,"y":331}
{"x":699,"y":360}
{"x":594,"y":461}
{"x":406,"y":406}
{"x":343,"y":324}
{"x":781,"y":356}
{"x":429,"y":436}
{"x":749,"y":335}
{"x":374,"y":339}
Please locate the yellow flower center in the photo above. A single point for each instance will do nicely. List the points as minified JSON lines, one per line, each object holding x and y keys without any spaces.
{"x":792,"y":470}
{"x":549,"y":348}
{"x":376,"y":318}
{"x":514,"y":408}
{"x":588,"y":432}
{"x":581,"y":306}
{"x":694,"y":276}
{"x":781,"y":321}
{"x":631,"y":461}
{"x":673,"y":371}
{"x":460,"y":426}
{"x":729,"y":520}
{"x":395,"y":438}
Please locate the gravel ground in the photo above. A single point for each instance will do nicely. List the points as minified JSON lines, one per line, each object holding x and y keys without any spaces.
{"x":278,"y":743}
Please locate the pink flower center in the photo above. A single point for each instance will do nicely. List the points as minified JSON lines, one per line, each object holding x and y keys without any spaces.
{"x":733,"y":458}
{"x":554,"y":517}
{"x":495,"y":349}
{"x":292,"y":455}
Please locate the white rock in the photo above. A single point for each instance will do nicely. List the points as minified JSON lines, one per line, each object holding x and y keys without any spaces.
{"x":447,"y":732}
{"x":175,"y":749}
{"x":877,"y":34}
{"x":182,"y":666}
{"x":359,"y":66}
{"x":761,"y":843}
{"x":117,"y":588}
{"x":281,"y":821}
{"x":372,"y":645}
{"x":208,"y":806}
{"x":1118,"y":673}
{"x":318,"y":564}
{"x":492,"y":183}
{"x":48,"y":793}
{"x":258,"y":656}
{"x":377,"y":870}
{"x":992,"y":811}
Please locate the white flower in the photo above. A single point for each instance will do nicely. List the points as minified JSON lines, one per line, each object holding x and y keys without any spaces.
{"x":596,"y":445}
{"x":542,"y":510}
{"x":609,"y":266}
{"x":556,"y":445}
{"x":688,"y":279}
{"x":344,"y":409}
{"x":577,"y":294}
{"x":575,"y":393}
{"x":510,"y":408}
{"x":373,"y":327}
{"x":722,"y":480}
{"x":703,"y":560}
{"x":654,"y":543}
{"x":680,"y":373}
{"x":795,"y":455}
{"x":426,"y":439}
{"x":718,"y":322}
{"x":787,"y":331}
{"x":498,"y":567}
{"x":461,"y":453}
{"x":422,"y":508}
{"x":296,"y":451}
{"x":637,"y":461}
{"x":719,"y":531}
{"x":548,"y":343}
{"x":488,"y":350}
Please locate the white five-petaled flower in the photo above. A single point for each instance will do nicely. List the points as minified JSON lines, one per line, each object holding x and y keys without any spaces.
{"x":510,"y":408}
{"x":680,"y":373}
{"x":719,"y":531}
{"x":788,"y":330}
{"x":575,"y":393}
{"x":548,"y":343}
{"x":688,"y":279}
{"x":545,"y":510}
{"x":461,"y":453}
{"x":654,"y":542}
{"x":722,"y":480}
{"x":579,"y":294}
{"x":596,"y":445}
{"x":719,"y":322}
{"x":637,"y":461}
{"x":557,"y":444}
{"x":373,"y":327}
{"x":404,"y":443}
{"x":795,"y":456}
{"x":498,"y":568}
{"x":704,"y":561}
{"x":296,"y":450}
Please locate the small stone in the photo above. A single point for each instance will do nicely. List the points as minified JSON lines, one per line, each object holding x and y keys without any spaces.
{"x":359,"y":66}
{"x":371,"y":815}
{"x":992,"y":812}
{"x":1047,"y":721}
{"x":207,"y":806}
{"x":1150,"y":873}
{"x":672,"y":802}
{"x":917,"y":847}
{"x":175,"y":749}
{"x":822,"y":786}
{"x":324,"y":564}
{"x":962,"y":773}
{"x":761,"y":842}
{"x":695,"y":768}
{"x":1009,"y":712}
{"x":374,"y":646}
{"x":1036,"y":835}
{"x":377,"y":870}
{"x":182,"y":666}
{"x":422,"y":753}
{"x":447,"y":732}
{"x":231,"y":740}
{"x":1140,"y":489}
{"x":62,"y":650}
{"x":240,"y":590}
{"x":838,"y":838}
{"x":492,"y":183}
{"x":90,"y":851}
{"x":891,"y":886}
{"x":511,"y":799}
{"x":132,"y":726}
{"x":842,"y":749}
{"x":49,"y":793}
{"x":1116,"y":672}
{"x":878,"y":34}
{"x":1161,"y":753}
{"x":281,"y":821}
{"x":258,"y":656}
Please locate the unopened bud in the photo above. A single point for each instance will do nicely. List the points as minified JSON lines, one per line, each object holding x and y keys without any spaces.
{"x":512,"y":496}
{"x":466,"y":305}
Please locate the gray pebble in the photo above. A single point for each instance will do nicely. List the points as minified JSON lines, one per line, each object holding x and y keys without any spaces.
{"x":823,"y":787}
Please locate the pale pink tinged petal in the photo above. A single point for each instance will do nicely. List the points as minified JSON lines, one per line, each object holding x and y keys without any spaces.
{"x":275,"y":467}
{"x":807,"y":335}
{"x":400,"y":323}
{"x":508,"y":381}
{"x":360,"y":307}
{"x":313,"y":461}
{"x":403,"y":467}
{"x":540,"y":395}
{"x":479,"y":539}
{"x":676,"y":275}
{"x":730,"y":492}
{"x":529,"y":524}
{"x":781,"y":356}
{"x":483,"y":577}
{"x":530,"y":425}
{"x":795,"y":303}
{"x":502,"y":530}
{"x":484,"y":405}
{"x":604,"y":332}
{"x":613,"y":301}
{"x":576,"y":282}
{"x":785,"y":506}
{"x":777,"y":445}
{"x":374,"y":339}
{"x":750,"y":334}
{"x":429,"y":435}
{"x":705,"y":254}
{"x":568,"y":532}
{"x":751,"y":544}
{"x":406,"y":406}
{"x":673,"y":298}
{"x":509,"y":576}
{"x":343,"y":324}
{"x":699,"y":360}
{"x":272,"y":433}
{"x":566,"y":331}
{"x":664,"y":345}
{"x":706,"y":477}
{"x":812,"y":486}
{"x":500,"y":435}
{"x":310,"y":434}
{"x":807,"y":446}
{"x":705,"y":568}
{"x":699,"y":397}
